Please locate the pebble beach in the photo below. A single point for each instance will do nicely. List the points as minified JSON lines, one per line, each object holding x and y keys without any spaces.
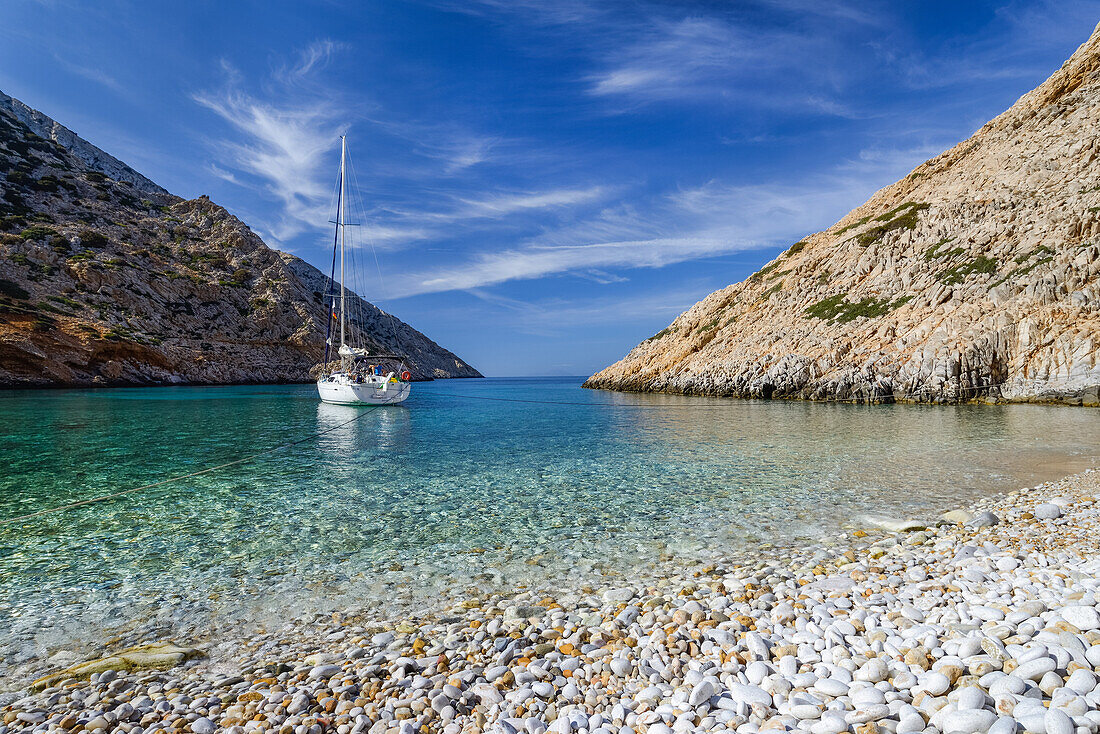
{"x":985,"y":620}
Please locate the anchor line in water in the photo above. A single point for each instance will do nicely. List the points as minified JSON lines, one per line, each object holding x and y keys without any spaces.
{"x":191,"y":475}
{"x":365,"y":411}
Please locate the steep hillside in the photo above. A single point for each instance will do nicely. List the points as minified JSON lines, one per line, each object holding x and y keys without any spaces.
{"x":976,"y":277}
{"x":106,"y":278}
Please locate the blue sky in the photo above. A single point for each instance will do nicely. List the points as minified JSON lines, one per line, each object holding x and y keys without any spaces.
{"x":546,"y":182}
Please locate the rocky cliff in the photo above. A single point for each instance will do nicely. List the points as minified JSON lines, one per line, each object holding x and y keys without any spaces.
{"x":106,"y":278}
{"x":976,"y":277}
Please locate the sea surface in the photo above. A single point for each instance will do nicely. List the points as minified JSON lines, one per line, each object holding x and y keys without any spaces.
{"x":469,"y":487}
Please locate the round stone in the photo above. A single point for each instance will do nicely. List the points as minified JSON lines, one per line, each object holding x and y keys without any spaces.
{"x":1047,"y":511}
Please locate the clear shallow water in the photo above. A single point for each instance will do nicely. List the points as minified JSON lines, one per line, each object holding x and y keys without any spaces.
{"x":412,"y":505}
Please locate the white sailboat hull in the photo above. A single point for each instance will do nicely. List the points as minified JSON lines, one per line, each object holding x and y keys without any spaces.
{"x":341,"y":391}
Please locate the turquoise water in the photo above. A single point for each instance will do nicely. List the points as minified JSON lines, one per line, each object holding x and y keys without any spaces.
{"x":412,"y":506}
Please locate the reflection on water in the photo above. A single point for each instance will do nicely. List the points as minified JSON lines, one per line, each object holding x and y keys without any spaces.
{"x":348,"y":430}
{"x":414,"y":503}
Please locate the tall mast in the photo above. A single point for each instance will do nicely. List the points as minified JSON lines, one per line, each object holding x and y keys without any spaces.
{"x":342,"y":224}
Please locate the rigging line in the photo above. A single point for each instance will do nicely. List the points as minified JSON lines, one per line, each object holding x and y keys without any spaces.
{"x":358,"y":287}
{"x":328,"y":302}
{"x":378,"y":268}
{"x":170,"y":480}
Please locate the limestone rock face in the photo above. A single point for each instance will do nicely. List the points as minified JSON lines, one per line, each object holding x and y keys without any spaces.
{"x":105,"y":278}
{"x":976,"y":277}
{"x":89,"y":155}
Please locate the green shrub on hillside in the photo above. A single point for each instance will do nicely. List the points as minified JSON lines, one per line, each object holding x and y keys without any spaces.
{"x":980,"y":265}
{"x":13,"y":221}
{"x":755,"y":277}
{"x":662,"y":333}
{"x":934,"y":251}
{"x":42,"y":322}
{"x":37,"y":232}
{"x":907,"y":215}
{"x":91,"y":238}
{"x":43,"y":306}
{"x":837,"y":309}
{"x":1040,"y":250}
{"x":899,"y":209}
{"x":13,"y":290}
{"x":74,"y":305}
{"x":858,"y":223}
{"x":46,"y":183}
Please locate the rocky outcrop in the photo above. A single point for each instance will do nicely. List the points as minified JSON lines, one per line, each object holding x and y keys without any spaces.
{"x":976,"y":277}
{"x":90,"y":156}
{"x":105,"y":278}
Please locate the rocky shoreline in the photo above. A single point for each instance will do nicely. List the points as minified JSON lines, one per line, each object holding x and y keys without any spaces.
{"x":976,"y":277}
{"x":985,"y":621}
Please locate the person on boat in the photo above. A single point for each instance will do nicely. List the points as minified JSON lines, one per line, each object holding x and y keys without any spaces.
{"x":378,"y":370}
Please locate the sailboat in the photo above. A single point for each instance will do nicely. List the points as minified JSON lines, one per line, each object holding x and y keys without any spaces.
{"x":358,"y":377}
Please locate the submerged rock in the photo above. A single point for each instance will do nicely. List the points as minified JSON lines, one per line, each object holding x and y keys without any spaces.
{"x":157,"y":656}
{"x":957,"y":516}
{"x":896,"y":526}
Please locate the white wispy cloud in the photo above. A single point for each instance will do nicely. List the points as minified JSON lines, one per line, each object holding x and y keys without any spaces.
{"x":481,"y":212}
{"x":707,"y":220}
{"x":554,"y":316}
{"x":90,"y":72}
{"x":516,"y":264}
{"x":225,"y":175}
{"x":283,"y":143}
{"x":309,"y":60}
{"x":1010,"y":48}
{"x":285,"y":133}
{"x":504,"y":204}
{"x":557,"y":13}
{"x":465,"y":151}
{"x":449,"y":147}
{"x":675,"y":59}
{"x":721,"y":57}
{"x":386,"y":237}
